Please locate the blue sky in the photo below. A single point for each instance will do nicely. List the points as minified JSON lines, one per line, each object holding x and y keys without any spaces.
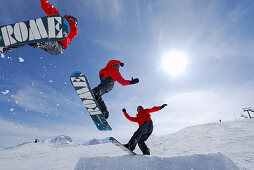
{"x":216,"y":36}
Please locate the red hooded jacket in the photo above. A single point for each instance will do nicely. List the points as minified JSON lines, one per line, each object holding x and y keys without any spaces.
{"x":50,"y":10}
{"x":113,"y":72}
{"x":143,"y":115}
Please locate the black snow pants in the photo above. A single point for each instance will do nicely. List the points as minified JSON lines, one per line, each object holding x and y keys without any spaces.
{"x":54,"y":48}
{"x":140,"y":136}
{"x":105,"y":86}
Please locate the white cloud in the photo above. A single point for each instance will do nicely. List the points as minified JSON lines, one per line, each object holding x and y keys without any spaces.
{"x":43,"y":99}
{"x":202,"y":106}
{"x":13,"y":133}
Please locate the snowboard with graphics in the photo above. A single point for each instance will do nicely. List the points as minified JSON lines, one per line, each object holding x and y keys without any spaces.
{"x":82,"y":87}
{"x":44,"y":29}
{"x":115,"y":142}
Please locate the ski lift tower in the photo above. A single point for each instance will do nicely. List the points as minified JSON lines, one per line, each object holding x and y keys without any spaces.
{"x":248,"y":110}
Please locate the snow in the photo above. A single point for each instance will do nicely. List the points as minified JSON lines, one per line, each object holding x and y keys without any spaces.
{"x":2,"y":56}
{"x":5,"y":92}
{"x":139,"y":162}
{"x":21,"y":60}
{"x":225,"y":145}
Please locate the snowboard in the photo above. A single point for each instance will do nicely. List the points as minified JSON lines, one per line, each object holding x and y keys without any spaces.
{"x":44,"y":29}
{"x":115,"y":142}
{"x":82,"y":87}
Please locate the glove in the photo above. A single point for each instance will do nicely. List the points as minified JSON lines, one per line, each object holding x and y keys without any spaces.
{"x":124,"y":110}
{"x":134,"y":81}
{"x":164,"y":105}
{"x":121,"y":64}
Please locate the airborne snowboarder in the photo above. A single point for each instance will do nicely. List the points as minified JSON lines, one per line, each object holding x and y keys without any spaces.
{"x":143,"y":118}
{"x":56,"y":47}
{"x":108,"y":76}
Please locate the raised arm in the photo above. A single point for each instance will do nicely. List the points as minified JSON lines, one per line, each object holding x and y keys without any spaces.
{"x":132,"y":119}
{"x":48,"y":8}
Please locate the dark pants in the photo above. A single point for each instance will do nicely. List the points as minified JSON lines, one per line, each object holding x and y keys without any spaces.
{"x":105,"y":86}
{"x":54,"y":48}
{"x":140,"y":136}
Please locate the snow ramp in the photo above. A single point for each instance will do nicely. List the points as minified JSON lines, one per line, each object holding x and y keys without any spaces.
{"x":215,"y":161}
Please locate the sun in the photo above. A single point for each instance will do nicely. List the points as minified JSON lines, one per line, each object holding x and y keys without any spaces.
{"x":174,"y":62}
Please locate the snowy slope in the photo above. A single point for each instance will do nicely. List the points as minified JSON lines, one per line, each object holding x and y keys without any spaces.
{"x":187,"y":148}
{"x":233,"y":139}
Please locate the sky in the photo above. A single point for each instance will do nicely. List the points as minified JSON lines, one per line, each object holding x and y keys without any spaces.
{"x":37,"y":99}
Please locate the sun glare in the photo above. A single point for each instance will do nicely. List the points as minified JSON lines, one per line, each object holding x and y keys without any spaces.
{"x":174,"y":63}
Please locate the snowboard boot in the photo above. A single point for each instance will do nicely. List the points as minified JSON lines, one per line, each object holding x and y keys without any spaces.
{"x":103,"y":107}
{"x":130,"y":147}
{"x":10,"y":48}
{"x":147,"y":152}
{"x":106,"y":114}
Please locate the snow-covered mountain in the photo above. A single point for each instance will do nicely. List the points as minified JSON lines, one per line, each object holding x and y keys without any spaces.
{"x":226,"y":145}
{"x":61,"y":140}
{"x":97,"y":141}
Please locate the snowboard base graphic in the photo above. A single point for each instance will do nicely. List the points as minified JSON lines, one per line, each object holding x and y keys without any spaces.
{"x":115,"y":142}
{"x":82,"y":87}
{"x":44,"y":29}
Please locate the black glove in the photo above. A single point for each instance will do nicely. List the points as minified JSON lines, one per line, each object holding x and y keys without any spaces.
{"x":134,"y":81}
{"x":121,"y":64}
{"x":124,"y":110}
{"x":164,"y":105}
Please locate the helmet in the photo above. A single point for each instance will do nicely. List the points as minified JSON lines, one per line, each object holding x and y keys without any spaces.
{"x":72,"y":18}
{"x":116,"y":65}
{"x":140,"y":108}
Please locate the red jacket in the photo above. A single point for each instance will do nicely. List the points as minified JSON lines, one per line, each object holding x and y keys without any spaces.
{"x":143,"y":115}
{"x":50,"y":10}
{"x":113,"y":72}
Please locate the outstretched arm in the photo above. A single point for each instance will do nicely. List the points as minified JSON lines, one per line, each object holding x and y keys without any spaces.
{"x":132,"y":119}
{"x":156,"y":108}
{"x":48,"y":8}
{"x":121,"y":80}
{"x":124,"y":82}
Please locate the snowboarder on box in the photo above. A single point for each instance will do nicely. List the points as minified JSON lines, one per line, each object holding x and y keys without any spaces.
{"x":108,"y":76}
{"x":143,"y":118}
{"x":54,"y":48}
